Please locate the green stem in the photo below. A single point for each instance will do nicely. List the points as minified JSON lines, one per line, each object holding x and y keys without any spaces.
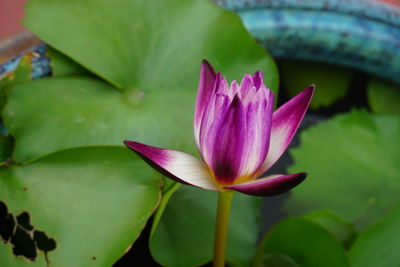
{"x":164,"y":201}
{"x":221,"y":228}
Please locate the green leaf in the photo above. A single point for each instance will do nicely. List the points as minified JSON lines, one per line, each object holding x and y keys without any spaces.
{"x":93,"y":201}
{"x":61,"y":65}
{"x":306,"y":243}
{"x":55,"y":113}
{"x":331,"y":81}
{"x":353,"y":166}
{"x":378,"y":245}
{"x":154,"y":53}
{"x":141,"y":45}
{"x":8,"y":259}
{"x":277,"y":260}
{"x":341,"y":229}
{"x":384,"y":97}
{"x":185,"y":233}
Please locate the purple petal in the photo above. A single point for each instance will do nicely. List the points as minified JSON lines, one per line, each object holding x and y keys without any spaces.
{"x":269,"y":186}
{"x":285,"y":122}
{"x":246,"y":85}
{"x":214,"y":112}
{"x":258,"y":79}
{"x":258,"y":124}
{"x":205,"y":90}
{"x":249,"y":96}
{"x":176,"y":165}
{"x":234,"y":89}
{"x":224,"y":143}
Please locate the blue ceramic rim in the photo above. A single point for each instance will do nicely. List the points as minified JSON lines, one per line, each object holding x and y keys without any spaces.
{"x":368,"y":9}
{"x":340,"y":39}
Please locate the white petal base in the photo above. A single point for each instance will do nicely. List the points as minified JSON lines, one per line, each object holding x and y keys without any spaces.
{"x":176,"y":165}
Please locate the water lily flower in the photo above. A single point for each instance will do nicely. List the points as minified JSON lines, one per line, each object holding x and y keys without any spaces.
{"x":238,"y":135}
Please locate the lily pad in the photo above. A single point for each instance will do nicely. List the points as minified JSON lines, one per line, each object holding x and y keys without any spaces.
{"x":152,"y":51}
{"x":185,"y":233}
{"x":93,"y":201}
{"x":56,"y":113}
{"x":353,"y":167}
{"x":378,"y":245}
{"x":277,"y":260}
{"x":341,"y":229}
{"x":61,"y":65}
{"x":331,"y":81}
{"x":384,"y":97}
{"x":141,"y":45}
{"x":8,"y":259}
{"x":306,"y":243}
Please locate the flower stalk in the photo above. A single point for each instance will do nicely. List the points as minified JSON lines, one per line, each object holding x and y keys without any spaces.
{"x":239,"y":137}
{"x":221,"y":227}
